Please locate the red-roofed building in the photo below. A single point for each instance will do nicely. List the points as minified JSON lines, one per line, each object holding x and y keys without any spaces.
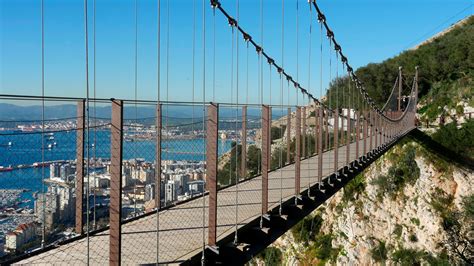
{"x":20,"y":236}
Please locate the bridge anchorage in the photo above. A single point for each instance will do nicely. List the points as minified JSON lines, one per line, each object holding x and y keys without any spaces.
{"x":202,"y":182}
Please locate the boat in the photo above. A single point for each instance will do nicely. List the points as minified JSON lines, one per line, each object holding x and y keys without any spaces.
{"x":10,"y":144}
{"x":6,"y":169}
{"x":50,"y":146}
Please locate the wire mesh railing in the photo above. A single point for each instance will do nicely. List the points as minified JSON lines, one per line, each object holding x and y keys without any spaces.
{"x":89,"y":185}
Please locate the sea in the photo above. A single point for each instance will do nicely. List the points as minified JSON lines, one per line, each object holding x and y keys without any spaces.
{"x":25,"y":148}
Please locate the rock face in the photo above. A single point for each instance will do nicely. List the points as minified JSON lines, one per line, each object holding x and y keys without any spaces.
{"x":360,"y":219}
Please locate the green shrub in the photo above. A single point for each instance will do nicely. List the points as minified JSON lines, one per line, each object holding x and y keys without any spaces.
{"x":413,"y":238}
{"x":415,"y":221}
{"x":307,"y":229}
{"x":272,"y":256}
{"x":323,"y":250}
{"x":380,"y":252}
{"x":460,"y":140}
{"x":403,"y":170}
{"x":354,"y":187}
{"x":468,"y":204}
{"x":398,"y":230}
{"x":407,"y":256}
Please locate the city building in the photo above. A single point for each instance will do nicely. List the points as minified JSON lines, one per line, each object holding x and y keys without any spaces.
{"x":20,"y":236}
{"x":149,"y":192}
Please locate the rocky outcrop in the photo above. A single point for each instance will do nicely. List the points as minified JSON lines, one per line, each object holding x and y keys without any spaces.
{"x":407,"y":219}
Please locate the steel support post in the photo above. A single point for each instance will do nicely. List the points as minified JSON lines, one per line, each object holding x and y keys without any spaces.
{"x":348,"y":140}
{"x":211,"y":169}
{"x":115,"y":242}
{"x":265,"y":156}
{"x":365,"y":134}
{"x":303,"y":132}
{"x":243,"y":168}
{"x":357,"y":134}
{"x":298,"y":151}
{"x":288,"y":136}
{"x":80,"y":167}
{"x":159,"y":113}
{"x":320,"y":144}
{"x":336,"y":139}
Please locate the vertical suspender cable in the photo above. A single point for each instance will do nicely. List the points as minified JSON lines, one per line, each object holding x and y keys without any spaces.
{"x":43,"y":228}
{"x":94,"y":149}
{"x":203,"y":121}
{"x":236,"y":126}
{"x":167,"y":70}
{"x":281,"y":89}
{"x":231,"y":90}
{"x":158,"y":192}
{"x":88,"y":121}
{"x":309,"y":87}
{"x":194,"y":65}
{"x":260,"y":84}
{"x":136,"y":106}
{"x":321,"y":109}
{"x":214,"y":55}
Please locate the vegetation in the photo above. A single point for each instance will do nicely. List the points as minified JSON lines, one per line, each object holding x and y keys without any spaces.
{"x":403,"y":170}
{"x":415,"y":221}
{"x":398,"y":230}
{"x":407,"y":256}
{"x":460,"y":141}
{"x":272,"y":256}
{"x":322,"y":249}
{"x":446,"y":73}
{"x":228,"y":174}
{"x":307,"y":229}
{"x":277,"y":132}
{"x":413,"y":238}
{"x":380,"y":252}
{"x":354,"y":188}
{"x":456,"y":224}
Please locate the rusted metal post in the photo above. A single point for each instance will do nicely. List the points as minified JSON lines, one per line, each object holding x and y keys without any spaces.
{"x":376,"y":131}
{"x":327,"y":129}
{"x":159,"y":113}
{"x":115,"y":243}
{"x":336,"y":139}
{"x":357,"y":133}
{"x":365,"y":133}
{"x":211,"y":169}
{"x":400,"y":83}
{"x":316,"y":129}
{"x":320,"y":144}
{"x":244,"y":143}
{"x":303,"y":131}
{"x":371,"y":119}
{"x":298,"y":151}
{"x":342,"y":137}
{"x":80,"y":167}
{"x":288,"y":136}
{"x":348,"y":141}
{"x":265,"y":156}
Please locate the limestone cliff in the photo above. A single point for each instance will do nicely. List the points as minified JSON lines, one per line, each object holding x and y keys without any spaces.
{"x":408,"y":207}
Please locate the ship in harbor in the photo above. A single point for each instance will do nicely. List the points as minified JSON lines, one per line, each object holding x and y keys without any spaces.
{"x":6,"y":169}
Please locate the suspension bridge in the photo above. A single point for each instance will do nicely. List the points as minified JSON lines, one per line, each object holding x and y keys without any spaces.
{"x":324,"y":139}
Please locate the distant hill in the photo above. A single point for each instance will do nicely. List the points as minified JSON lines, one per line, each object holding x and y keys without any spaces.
{"x":11,"y":112}
{"x":446,"y":72}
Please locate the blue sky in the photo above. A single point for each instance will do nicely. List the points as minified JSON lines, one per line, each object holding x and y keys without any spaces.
{"x":368,"y":31}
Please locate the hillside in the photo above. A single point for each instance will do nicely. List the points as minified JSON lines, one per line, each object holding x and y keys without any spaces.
{"x":446,"y":73}
{"x":410,"y":207}
{"x":415,"y":204}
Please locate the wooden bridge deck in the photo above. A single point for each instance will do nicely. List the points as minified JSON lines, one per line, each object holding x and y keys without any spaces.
{"x":181,"y":231}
